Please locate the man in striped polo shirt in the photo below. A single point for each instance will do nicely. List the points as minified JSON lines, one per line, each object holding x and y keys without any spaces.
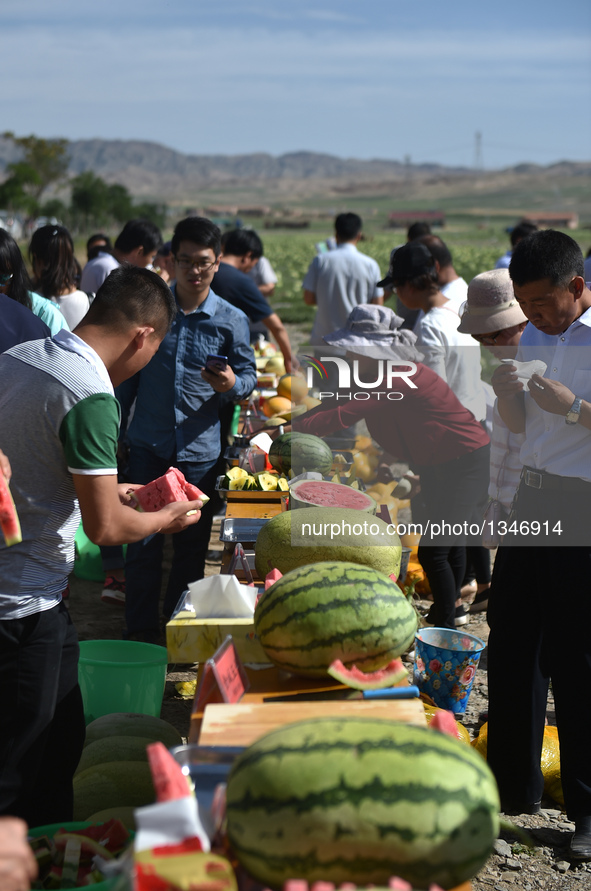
{"x":59,"y":428}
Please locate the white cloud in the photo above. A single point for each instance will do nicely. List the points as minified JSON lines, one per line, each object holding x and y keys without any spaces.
{"x":359,"y":93}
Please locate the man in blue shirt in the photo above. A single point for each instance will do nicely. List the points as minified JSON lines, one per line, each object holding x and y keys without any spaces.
{"x":176,"y":417}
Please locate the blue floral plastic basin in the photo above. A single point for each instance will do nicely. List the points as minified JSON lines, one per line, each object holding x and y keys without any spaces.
{"x":445,"y":666}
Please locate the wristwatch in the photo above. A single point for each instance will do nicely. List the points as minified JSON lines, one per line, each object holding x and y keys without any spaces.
{"x":574,"y":412}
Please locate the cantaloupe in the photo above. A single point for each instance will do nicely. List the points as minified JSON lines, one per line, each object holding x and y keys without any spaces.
{"x":119,"y":748}
{"x":112,"y":784}
{"x":132,"y":724}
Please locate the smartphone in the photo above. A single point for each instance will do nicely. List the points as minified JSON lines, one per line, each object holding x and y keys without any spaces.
{"x":216,"y":363}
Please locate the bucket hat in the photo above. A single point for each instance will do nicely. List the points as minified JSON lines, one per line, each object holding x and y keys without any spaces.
{"x":375,"y":331}
{"x":491,"y":304}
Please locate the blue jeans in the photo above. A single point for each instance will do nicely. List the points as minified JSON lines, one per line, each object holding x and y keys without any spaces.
{"x":143,"y":565}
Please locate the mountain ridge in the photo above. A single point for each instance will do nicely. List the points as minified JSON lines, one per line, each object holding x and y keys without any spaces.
{"x":151,"y":168}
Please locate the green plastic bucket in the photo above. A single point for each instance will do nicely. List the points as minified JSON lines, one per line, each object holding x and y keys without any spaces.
{"x":121,"y":676}
{"x":88,"y":563}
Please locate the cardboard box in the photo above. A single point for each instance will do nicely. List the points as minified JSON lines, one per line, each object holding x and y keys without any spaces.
{"x":195,"y":640}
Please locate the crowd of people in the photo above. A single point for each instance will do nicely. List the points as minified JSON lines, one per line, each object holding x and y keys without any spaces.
{"x":106,"y":383}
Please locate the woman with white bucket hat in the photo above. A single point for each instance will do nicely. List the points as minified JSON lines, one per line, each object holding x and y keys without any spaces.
{"x":493,"y":317}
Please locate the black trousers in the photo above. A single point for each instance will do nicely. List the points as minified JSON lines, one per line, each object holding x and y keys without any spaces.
{"x":454,"y":494}
{"x":540,"y":631}
{"x":42,"y":717}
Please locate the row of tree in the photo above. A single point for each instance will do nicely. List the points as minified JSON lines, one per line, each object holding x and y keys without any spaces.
{"x":94,"y":203}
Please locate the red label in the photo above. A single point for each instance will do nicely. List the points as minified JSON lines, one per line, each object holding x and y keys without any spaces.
{"x":223,"y":679}
{"x":229,"y":672}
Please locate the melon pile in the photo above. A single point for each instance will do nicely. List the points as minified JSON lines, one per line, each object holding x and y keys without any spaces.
{"x":113,"y":777}
{"x":291,"y":400}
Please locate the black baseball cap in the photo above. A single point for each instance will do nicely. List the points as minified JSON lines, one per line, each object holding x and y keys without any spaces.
{"x":408,"y":261}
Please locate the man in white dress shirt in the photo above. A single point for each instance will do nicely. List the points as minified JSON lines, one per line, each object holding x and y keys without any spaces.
{"x":540,"y":629}
{"x":339,"y":280}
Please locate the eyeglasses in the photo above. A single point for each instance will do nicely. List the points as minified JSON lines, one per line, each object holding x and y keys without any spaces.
{"x":491,"y":339}
{"x":200,"y":265}
{"x":488,"y":339}
{"x":5,"y":278}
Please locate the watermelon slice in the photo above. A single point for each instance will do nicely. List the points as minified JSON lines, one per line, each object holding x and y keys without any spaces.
{"x":272,"y":577}
{"x":11,"y":528}
{"x":320,"y":493}
{"x":445,"y":722}
{"x":167,"y":775}
{"x":389,"y":676}
{"x":165,"y":490}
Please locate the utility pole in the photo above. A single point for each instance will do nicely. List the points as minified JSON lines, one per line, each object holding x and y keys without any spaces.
{"x":478,"y":163}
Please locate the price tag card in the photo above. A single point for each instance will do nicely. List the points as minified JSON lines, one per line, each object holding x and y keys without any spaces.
{"x":223,"y":679}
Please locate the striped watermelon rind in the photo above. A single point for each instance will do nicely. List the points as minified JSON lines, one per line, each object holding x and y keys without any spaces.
{"x":334,"y":610}
{"x":299,"y":452}
{"x":359,"y":800}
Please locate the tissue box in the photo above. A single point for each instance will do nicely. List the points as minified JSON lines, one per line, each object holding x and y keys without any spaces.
{"x":195,"y":639}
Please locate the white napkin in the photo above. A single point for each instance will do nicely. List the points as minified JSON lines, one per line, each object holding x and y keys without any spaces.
{"x":220,"y":597}
{"x":263,"y":441}
{"x":168,"y":823}
{"x":526,"y":369}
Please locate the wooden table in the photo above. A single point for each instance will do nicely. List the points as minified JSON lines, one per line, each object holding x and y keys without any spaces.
{"x":257,"y":713}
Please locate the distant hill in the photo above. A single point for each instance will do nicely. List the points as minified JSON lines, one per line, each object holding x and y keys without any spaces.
{"x":151,"y":169}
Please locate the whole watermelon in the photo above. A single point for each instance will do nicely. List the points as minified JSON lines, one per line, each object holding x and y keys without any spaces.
{"x":299,"y":537}
{"x":334,"y":610}
{"x":359,"y":800}
{"x":300,"y":452}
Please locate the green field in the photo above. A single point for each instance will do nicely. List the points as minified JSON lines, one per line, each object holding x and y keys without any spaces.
{"x":473,"y":250}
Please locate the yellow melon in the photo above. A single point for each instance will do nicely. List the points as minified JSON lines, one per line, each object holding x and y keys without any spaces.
{"x":275,"y":365}
{"x":292,"y":386}
{"x":275,"y":405}
{"x":311,"y":401}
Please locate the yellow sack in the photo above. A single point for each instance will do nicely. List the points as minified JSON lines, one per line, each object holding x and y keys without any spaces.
{"x":550,"y":760}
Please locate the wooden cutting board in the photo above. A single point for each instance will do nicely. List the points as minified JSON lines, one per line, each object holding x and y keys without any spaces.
{"x":241,"y":724}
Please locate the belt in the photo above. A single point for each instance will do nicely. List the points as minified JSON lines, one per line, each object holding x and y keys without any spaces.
{"x":539,"y":479}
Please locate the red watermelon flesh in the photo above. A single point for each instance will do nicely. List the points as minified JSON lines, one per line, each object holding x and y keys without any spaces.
{"x":11,"y":528}
{"x":320,"y":493}
{"x":166,"y":490}
{"x":167,"y":775}
{"x":389,"y":676}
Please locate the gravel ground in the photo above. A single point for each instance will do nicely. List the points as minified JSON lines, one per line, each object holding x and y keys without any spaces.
{"x":512,"y":865}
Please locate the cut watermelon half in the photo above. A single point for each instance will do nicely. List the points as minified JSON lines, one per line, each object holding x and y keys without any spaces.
{"x":165,"y":490}
{"x":9,"y":522}
{"x":389,"y":676}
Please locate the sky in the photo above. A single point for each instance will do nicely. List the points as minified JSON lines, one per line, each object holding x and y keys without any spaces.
{"x":386,"y":79}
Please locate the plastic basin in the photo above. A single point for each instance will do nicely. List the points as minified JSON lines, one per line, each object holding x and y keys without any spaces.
{"x":121,"y":676}
{"x":52,"y":828}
